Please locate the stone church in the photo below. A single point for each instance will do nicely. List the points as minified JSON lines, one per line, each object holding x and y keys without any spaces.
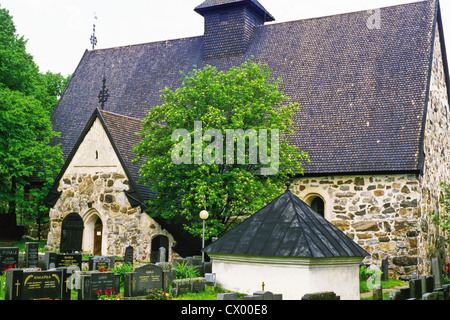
{"x":374,"y":118}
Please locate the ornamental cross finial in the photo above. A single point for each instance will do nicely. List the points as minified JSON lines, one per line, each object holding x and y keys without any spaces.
{"x":103,"y":95}
{"x":93,"y":37}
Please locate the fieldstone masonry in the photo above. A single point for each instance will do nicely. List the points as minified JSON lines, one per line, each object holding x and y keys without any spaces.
{"x":380,"y":213}
{"x":103,"y":195}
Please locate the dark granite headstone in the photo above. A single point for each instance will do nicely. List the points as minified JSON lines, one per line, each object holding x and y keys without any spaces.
{"x":143,"y":279}
{"x":101,"y":263}
{"x":31,"y":254}
{"x":385,"y":269}
{"x":49,"y":260}
{"x":94,"y":283}
{"x":415,"y":288}
{"x":128,"y":258}
{"x":9,"y":256}
{"x":68,"y":260}
{"x":34,"y":285}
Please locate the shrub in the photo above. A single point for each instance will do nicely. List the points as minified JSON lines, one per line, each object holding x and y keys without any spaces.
{"x":157,"y":294}
{"x":184,"y":271}
{"x":122,"y":269}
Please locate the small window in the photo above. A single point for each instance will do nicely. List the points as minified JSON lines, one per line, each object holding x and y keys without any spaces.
{"x":96,"y":154}
{"x":318,"y":206}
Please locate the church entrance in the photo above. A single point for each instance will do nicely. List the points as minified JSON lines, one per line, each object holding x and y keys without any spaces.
{"x":98,"y":234}
{"x":71,"y":233}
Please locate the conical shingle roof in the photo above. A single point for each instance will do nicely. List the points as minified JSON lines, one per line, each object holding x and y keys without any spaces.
{"x":287,"y":227}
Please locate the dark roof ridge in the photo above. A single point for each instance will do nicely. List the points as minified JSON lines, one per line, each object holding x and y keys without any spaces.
{"x":144,"y":44}
{"x":340,"y":14}
{"x":121,"y":115}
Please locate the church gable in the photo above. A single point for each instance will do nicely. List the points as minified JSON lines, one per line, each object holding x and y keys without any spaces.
{"x":95,"y":153}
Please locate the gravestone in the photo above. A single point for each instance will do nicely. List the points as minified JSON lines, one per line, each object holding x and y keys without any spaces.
{"x":93,"y":283}
{"x":255,"y":297}
{"x":385,"y":269}
{"x":142,"y":280}
{"x":181,"y":286}
{"x":326,"y":295}
{"x":377,"y":292}
{"x":9,"y":256}
{"x":437,"y":272}
{"x":227,"y":296}
{"x":266,"y":295}
{"x":68,"y":260}
{"x":128,"y":258}
{"x":396,"y":295}
{"x":415,"y":288}
{"x":49,"y":260}
{"x":162,"y":254}
{"x":31,"y":254}
{"x":430,"y":296}
{"x":101,"y":263}
{"x":34,"y":285}
{"x":198,"y":285}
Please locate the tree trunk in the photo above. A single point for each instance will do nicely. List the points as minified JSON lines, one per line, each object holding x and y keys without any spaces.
{"x":12,"y":201}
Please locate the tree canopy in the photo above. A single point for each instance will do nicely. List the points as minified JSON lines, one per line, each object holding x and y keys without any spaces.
{"x":27,"y":98}
{"x":219,"y":143}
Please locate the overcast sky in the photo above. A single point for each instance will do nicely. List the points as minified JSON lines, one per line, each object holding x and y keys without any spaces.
{"x":58,"y":31}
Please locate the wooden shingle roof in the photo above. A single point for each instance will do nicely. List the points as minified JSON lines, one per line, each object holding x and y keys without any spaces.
{"x":362,"y":92}
{"x":286,"y":227}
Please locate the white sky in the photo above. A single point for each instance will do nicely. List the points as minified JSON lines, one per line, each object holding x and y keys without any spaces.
{"x":58,"y":31}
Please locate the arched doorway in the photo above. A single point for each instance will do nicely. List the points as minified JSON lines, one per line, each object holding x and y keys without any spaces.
{"x":98,"y":237}
{"x":157,"y":243}
{"x":93,"y":233}
{"x":71,"y":233}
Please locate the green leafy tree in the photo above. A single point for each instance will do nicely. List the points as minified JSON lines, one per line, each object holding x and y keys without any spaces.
{"x":25,"y":128}
{"x":230,"y":187}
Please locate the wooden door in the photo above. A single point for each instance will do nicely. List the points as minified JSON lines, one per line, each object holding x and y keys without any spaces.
{"x":98,"y":235}
{"x":71,"y":233}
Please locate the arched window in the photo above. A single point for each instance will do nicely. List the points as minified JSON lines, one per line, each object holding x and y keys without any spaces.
{"x":318,"y":205}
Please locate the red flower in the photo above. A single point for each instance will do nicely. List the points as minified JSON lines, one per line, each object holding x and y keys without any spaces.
{"x":97,"y":292}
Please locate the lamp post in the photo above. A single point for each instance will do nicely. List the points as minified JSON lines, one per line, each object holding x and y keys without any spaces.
{"x":203,"y":215}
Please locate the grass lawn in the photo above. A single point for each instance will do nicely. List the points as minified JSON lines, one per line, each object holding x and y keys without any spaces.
{"x":209,"y":294}
{"x":390,"y":284}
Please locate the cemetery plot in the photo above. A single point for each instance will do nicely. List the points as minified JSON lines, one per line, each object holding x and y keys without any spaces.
{"x":9,"y":256}
{"x":142,"y":280}
{"x":35,"y":285}
{"x":31,"y":254}
{"x":128,"y":258}
{"x":94,"y":283}
{"x":101,"y":263}
{"x":68,"y":260}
